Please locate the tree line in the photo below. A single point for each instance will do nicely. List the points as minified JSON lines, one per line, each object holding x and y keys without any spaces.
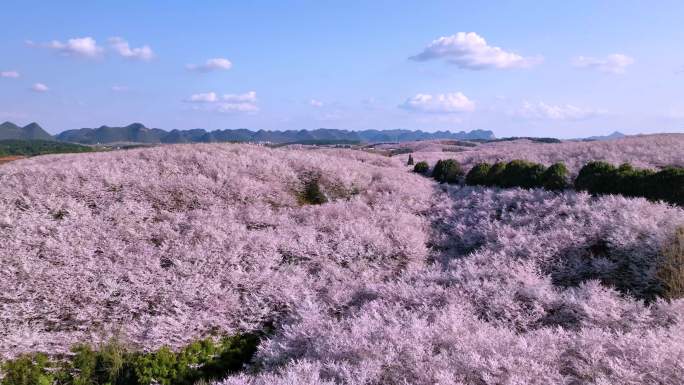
{"x":596,"y":177}
{"x":14,"y":147}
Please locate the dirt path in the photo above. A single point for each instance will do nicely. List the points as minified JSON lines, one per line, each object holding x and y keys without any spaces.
{"x":7,"y":159}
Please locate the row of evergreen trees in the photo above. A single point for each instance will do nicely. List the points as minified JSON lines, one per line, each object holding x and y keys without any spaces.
{"x":604,"y":178}
{"x":519,"y":173}
{"x":595,"y":178}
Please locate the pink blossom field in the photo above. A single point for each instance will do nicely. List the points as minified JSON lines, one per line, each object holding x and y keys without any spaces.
{"x":395,"y":280}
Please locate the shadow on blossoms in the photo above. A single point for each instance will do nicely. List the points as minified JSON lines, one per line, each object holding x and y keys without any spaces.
{"x":523,"y":286}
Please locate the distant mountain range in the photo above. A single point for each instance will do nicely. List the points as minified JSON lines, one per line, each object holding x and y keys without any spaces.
{"x":614,"y":135}
{"x":138,"y":133}
{"x":31,"y":131}
{"x":135,"y":133}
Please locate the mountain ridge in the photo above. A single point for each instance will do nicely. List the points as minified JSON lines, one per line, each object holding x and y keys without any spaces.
{"x":31,"y":131}
{"x":138,"y":133}
{"x":614,"y":135}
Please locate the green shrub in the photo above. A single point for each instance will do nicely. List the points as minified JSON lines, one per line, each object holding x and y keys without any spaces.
{"x":28,"y":370}
{"x":160,"y":367}
{"x":114,"y":365}
{"x":82,"y":370}
{"x":421,"y":168}
{"x":667,"y":185}
{"x":631,"y":182}
{"x":494,"y":174}
{"x":478,"y":174}
{"x":235,"y":352}
{"x":521,"y":173}
{"x":555,"y":177}
{"x":437,"y":170}
{"x":201,"y":360}
{"x":671,"y":271}
{"x":312,"y":193}
{"x":410,"y":160}
{"x":447,"y":171}
{"x":597,"y":178}
{"x":603,"y":178}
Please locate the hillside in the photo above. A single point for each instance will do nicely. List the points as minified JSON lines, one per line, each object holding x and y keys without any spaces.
{"x":391,"y":279}
{"x":31,"y":131}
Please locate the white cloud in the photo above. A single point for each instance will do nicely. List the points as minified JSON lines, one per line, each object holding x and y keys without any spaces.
{"x":225,"y":103}
{"x":249,"y":97}
{"x":315,"y":103}
{"x":209,"y":97}
{"x":119,"y":88}
{"x":214,"y":64}
{"x":121,"y":47}
{"x":9,"y":74}
{"x":440,"y":103}
{"x":471,"y":51}
{"x":39,"y":87}
{"x":543,"y":111}
{"x":615,"y":63}
{"x":80,"y":46}
{"x":237,"y":107}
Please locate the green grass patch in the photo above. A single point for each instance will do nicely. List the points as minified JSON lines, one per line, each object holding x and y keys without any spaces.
{"x":114,"y":364}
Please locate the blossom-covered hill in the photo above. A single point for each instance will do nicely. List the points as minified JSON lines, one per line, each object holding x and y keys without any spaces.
{"x":643,"y":151}
{"x":395,"y":279}
{"x":166,"y":244}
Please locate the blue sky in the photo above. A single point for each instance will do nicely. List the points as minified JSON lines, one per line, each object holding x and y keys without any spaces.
{"x":563,"y":69}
